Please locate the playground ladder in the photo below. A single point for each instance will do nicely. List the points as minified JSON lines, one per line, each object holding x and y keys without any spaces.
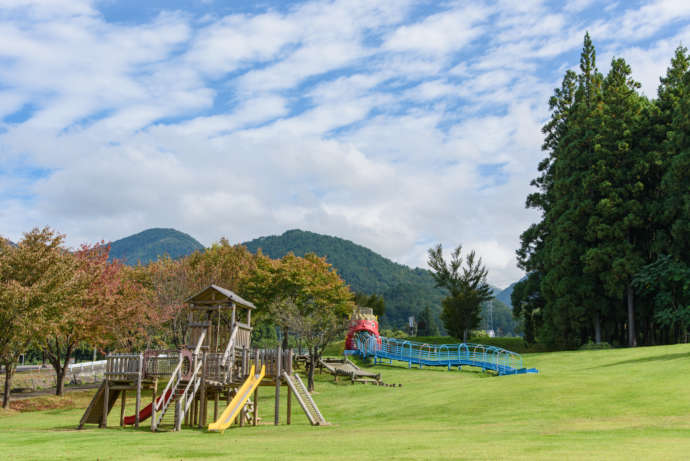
{"x":163,"y":405}
{"x":305,"y":400}
{"x":186,"y":398}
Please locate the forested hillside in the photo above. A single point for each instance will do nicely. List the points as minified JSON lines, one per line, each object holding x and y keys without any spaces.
{"x":150,"y":244}
{"x":504,"y":295}
{"x":610,"y":258}
{"x":406,"y":291}
{"x":498,"y":316}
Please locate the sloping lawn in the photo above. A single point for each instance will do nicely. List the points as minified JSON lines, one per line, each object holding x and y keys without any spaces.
{"x":610,"y":404}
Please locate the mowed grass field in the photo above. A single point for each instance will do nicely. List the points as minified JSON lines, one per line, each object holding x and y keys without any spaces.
{"x":611,"y":404}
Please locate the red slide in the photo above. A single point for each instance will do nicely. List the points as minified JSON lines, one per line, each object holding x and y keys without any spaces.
{"x":145,"y":412}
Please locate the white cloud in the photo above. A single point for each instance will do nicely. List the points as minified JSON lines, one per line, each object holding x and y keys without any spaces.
{"x":440,"y":33}
{"x":356,"y":118}
{"x":238,"y":40}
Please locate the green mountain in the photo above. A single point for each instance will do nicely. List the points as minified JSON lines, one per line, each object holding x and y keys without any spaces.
{"x":150,"y":244}
{"x":406,"y":291}
{"x":504,"y":295}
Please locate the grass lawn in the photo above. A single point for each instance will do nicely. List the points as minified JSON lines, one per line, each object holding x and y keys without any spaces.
{"x":609,"y":404}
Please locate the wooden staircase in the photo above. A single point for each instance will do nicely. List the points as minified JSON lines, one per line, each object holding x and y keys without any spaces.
{"x":305,"y":400}
{"x":175,"y":386}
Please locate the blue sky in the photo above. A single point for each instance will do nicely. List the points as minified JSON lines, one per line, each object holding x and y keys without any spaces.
{"x":396,"y":124}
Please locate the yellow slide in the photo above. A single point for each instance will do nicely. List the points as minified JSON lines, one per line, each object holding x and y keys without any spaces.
{"x":233,"y":409}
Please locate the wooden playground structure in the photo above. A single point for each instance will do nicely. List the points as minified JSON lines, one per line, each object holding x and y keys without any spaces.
{"x":216,"y":364}
{"x":345,"y":368}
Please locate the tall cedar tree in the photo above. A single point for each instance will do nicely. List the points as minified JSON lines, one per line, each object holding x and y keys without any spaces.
{"x":527,"y":299}
{"x":616,"y":228}
{"x":574,"y":299}
{"x":614,"y":201}
{"x":676,"y":179}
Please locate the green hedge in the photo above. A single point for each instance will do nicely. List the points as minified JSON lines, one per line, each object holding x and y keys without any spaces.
{"x":514,"y":344}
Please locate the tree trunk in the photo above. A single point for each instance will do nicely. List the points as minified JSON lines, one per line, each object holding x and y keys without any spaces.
{"x":312,"y":365}
{"x":597,"y":328}
{"x":59,"y":381}
{"x":632,"y":338}
{"x":59,"y":367}
{"x":286,"y":330}
{"x":9,"y":373}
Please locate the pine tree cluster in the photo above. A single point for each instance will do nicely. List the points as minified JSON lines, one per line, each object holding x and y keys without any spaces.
{"x":609,"y":259}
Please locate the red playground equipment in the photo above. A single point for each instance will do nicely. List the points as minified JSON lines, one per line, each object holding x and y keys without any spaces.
{"x":362,"y":320}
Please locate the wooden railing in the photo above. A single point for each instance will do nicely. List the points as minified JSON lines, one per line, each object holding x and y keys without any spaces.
{"x":161,"y":405}
{"x":229,"y":349}
{"x":123,"y":367}
{"x":160,"y":363}
{"x":270,"y":357}
{"x":244,"y":335}
{"x":187,"y":397}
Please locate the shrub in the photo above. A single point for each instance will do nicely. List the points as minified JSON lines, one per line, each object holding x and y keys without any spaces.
{"x":592,"y":346}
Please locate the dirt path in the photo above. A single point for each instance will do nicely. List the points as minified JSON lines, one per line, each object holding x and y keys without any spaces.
{"x":26,"y":395}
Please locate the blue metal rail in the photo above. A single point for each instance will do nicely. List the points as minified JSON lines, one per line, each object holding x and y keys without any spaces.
{"x":501,"y":361}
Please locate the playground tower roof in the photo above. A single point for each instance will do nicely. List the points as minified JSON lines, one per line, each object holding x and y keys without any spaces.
{"x":214,"y":295}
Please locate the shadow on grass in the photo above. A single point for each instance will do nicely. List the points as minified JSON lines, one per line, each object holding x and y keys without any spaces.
{"x":143,"y":428}
{"x":655,"y":358}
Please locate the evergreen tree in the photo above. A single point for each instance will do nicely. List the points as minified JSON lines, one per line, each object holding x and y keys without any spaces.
{"x":574,"y":299}
{"x":675,"y":183}
{"x":426,"y":324}
{"x":615,"y":202}
{"x":465,"y":280}
{"x":528,"y":304}
{"x":527,"y":298}
{"x":374,"y":301}
{"x":616,"y":228}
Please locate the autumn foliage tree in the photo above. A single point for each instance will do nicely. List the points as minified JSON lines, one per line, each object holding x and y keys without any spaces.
{"x":101,"y":307}
{"x":171,"y":281}
{"x":33,"y":277}
{"x":305,"y":296}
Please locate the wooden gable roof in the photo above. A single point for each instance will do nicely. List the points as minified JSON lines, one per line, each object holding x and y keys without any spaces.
{"x":213,"y":294}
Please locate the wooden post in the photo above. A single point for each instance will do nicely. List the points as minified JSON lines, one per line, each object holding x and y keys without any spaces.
{"x":203,"y":398}
{"x":178,"y":419}
{"x":140,"y":370}
{"x":228,"y":398}
{"x":106,"y":395}
{"x":289,"y":406}
{"x":195,"y":411}
{"x":256,"y":393}
{"x":276,"y":419}
{"x":122,"y":409}
{"x":153,"y":404}
{"x":215,"y":406}
{"x":256,"y":406}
